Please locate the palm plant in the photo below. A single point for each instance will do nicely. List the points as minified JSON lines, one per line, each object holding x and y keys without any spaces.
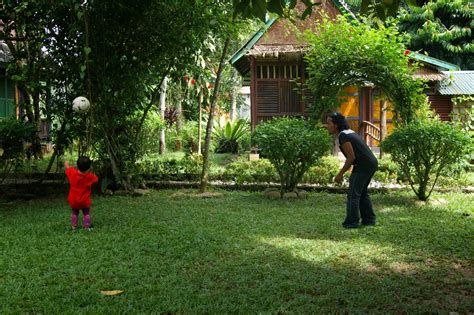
{"x":229,"y":134}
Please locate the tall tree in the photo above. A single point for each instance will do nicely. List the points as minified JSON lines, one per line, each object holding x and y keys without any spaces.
{"x":443,"y":29}
{"x":134,"y":45}
{"x":47,"y":48}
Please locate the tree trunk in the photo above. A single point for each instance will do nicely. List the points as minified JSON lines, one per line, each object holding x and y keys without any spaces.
{"x":201,"y":98}
{"x":164,"y":87}
{"x":118,"y":169}
{"x":179,"y":125}
{"x":58,"y":145}
{"x":120,"y":178}
{"x":210,"y":121}
{"x":27,"y":105}
{"x":153,"y":99}
{"x":36,"y":110}
{"x":233,"y":96}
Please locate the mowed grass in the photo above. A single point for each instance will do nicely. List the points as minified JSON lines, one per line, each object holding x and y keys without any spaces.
{"x":238,"y":253}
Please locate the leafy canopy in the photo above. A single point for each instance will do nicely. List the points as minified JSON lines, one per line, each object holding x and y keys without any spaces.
{"x":344,"y":53}
{"x":443,"y":29}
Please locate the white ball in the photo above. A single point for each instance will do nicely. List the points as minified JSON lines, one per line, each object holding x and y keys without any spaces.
{"x":80,"y":104}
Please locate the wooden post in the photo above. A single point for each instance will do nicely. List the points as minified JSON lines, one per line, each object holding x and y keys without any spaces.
{"x":383,"y":122}
{"x":253,"y":93}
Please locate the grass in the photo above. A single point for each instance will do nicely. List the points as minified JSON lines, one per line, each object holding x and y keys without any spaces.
{"x":238,"y":253}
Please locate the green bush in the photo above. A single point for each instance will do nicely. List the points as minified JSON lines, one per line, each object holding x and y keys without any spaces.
{"x":425,"y":150}
{"x":187,"y":168}
{"x":456,"y":180}
{"x":188,"y":137}
{"x":388,"y":171}
{"x":292,"y":145}
{"x":323,"y":171}
{"x":150,"y":139}
{"x":14,"y":134}
{"x":245,"y":142}
{"x":244,"y":171}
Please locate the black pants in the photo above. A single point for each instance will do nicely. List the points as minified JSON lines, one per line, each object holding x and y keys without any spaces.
{"x":358,"y":200}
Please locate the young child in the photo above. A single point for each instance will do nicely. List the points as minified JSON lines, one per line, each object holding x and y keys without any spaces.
{"x":80,"y":181}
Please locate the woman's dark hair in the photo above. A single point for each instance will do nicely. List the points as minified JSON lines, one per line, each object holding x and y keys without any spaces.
{"x":339,"y":120}
{"x":83,"y":163}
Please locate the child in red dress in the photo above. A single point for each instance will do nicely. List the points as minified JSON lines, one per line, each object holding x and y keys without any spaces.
{"x":80,"y":181}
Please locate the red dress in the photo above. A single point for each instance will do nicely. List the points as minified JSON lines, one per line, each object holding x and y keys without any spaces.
{"x":80,"y":188}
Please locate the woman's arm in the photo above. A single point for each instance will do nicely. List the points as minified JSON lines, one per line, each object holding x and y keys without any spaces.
{"x":350,"y":157}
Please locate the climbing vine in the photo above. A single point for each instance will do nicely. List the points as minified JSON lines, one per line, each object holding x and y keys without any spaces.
{"x":346,"y":52}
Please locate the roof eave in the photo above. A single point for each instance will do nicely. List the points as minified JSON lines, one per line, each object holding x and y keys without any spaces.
{"x":437,"y":63}
{"x":245,"y":48}
{"x":239,"y":54}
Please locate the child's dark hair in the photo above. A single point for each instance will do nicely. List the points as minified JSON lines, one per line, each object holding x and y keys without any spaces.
{"x":340,"y":121}
{"x":84,"y":163}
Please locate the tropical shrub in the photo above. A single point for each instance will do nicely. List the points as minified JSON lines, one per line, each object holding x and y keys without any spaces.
{"x":424,"y":150}
{"x":388,"y":171}
{"x":229,"y":135}
{"x":149,"y":141}
{"x":323,"y":171}
{"x":292,"y":145}
{"x":188,"y":136}
{"x":245,"y":171}
{"x":14,"y":134}
{"x":187,"y":168}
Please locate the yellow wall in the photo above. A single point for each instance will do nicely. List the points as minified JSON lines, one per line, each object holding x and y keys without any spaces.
{"x":350,"y":108}
{"x":350,"y":105}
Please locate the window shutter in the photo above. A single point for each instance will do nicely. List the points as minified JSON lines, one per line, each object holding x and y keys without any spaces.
{"x":267,"y":97}
{"x":289,"y":97}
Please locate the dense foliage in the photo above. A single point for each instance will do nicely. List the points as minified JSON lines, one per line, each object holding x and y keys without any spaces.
{"x":346,"y":53}
{"x":116,"y":53}
{"x":425,"y":150}
{"x":443,"y":29}
{"x":292,"y":145}
{"x":14,"y":137}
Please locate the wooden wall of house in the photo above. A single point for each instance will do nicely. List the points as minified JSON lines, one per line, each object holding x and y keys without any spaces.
{"x":275,"y":90}
{"x":442,"y":105}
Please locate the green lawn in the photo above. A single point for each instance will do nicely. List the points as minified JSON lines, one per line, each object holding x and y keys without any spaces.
{"x":238,"y":253}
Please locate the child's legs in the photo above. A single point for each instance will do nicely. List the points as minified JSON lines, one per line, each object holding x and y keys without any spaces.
{"x":75,"y":213}
{"x":87,"y":218}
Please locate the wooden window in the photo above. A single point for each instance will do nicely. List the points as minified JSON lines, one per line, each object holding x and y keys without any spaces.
{"x":270,"y":72}
{"x":267,"y":97}
{"x":277,"y":90}
{"x":290,"y":97}
{"x":7,"y":97}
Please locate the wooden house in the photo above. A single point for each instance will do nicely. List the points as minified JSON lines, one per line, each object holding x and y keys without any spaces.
{"x":272,"y":63}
